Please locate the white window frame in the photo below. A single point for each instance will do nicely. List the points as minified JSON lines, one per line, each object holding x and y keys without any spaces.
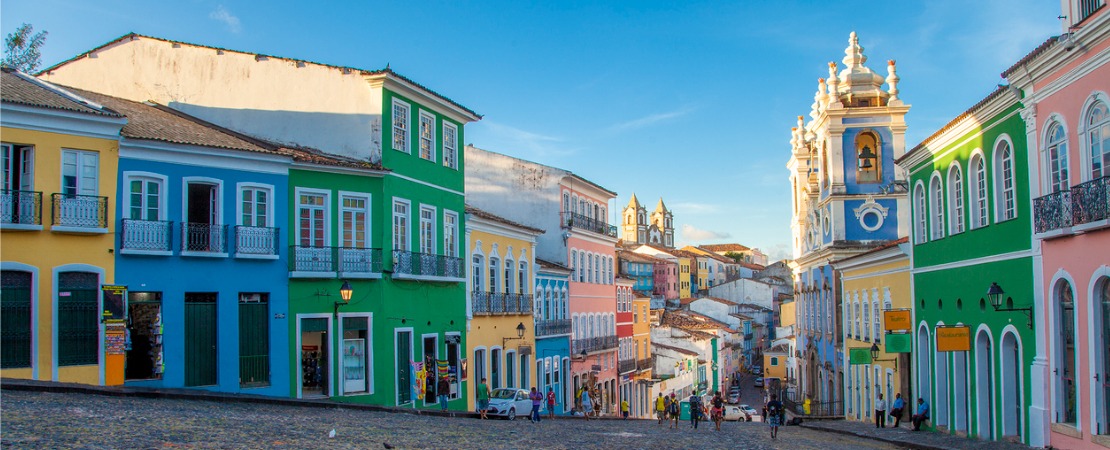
{"x":82,"y":187}
{"x":343,"y":195}
{"x":406,"y":217}
{"x":162,"y":180}
{"x":297,"y":192}
{"x":242,"y":187}
{"x":1004,"y":188}
{"x":936,"y":210}
{"x":922,"y":214}
{"x":401,"y":129}
{"x":26,"y":171}
{"x":1060,"y":148}
{"x":450,"y":233}
{"x":955,"y":200}
{"x":428,"y":226}
{"x":426,"y":137}
{"x":1095,"y":133}
{"x":369,"y":347}
{"x":978,"y":190}
{"x":450,"y":145}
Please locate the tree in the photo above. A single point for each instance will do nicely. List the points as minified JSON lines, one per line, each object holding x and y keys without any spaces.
{"x":21,"y":48}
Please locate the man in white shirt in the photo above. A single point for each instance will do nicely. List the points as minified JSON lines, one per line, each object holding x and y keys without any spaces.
{"x":880,"y":412}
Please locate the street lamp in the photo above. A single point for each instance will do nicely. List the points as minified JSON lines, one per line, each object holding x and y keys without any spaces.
{"x":994,"y":296}
{"x":519,"y":334}
{"x":345,"y":293}
{"x":875,"y":355}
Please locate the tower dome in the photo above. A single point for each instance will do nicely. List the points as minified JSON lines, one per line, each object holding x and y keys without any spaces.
{"x":859,"y":85}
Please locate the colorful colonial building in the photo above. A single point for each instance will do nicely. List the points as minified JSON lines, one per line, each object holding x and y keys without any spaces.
{"x":553,"y":332}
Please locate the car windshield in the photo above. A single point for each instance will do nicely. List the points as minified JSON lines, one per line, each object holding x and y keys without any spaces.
{"x":504,"y":393}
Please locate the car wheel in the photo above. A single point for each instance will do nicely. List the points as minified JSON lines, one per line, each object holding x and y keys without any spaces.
{"x":512,"y":414}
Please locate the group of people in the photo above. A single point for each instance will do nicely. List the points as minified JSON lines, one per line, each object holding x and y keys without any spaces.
{"x":668,"y":409}
{"x":535,"y":396}
{"x":897,"y":408}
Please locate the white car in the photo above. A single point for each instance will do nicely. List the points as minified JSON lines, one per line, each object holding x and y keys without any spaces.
{"x":751,"y":412}
{"x":508,"y":402}
{"x":737,"y":414}
{"x":758,"y":382}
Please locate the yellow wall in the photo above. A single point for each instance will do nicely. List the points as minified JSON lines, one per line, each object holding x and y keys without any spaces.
{"x":770,"y":371}
{"x":46,"y":250}
{"x":786,"y":314}
{"x":684,"y":271}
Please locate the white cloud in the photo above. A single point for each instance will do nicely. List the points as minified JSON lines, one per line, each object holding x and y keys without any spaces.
{"x":650,"y":120}
{"x":521,"y":141}
{"x":696,"y":234}
{"x":221,"y":14}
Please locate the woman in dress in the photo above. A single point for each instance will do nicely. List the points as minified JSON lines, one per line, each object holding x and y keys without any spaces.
{"x":587,"y":405}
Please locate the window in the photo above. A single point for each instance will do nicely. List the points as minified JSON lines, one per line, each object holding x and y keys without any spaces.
{"x":589,"y":269}
{"x":18,"y":167}
{"x":254,"y":203}
{"x":450,"y":145}
{"x":955,"y":200}
{"x":1057,"y":152}
{"x":522,"y":278}
{"x":937,"y":199}
{"x":1098,"y":138}
{"x":566,"y":203}
{"x":401,"y":126}
{"x":919,"y":211}
{"x":1067,"y":404}
{"x":450,"y":233}
{"x":78,"y":318}
{"x":867,"y":152}
{"x":476,"y":273}
{"x":401,"y":225}
{"x":494,"y":265}
{"x":510,"y":369}
{"x":978,"y":185}
{"x":1005,"y":203}
{"x":15,"y":314}
{"x":144,"y":198}
{"x":79,"y":172}
{"x":355,"y":211}
{"x":495,"y":368}
{"x":427,"y":136}
{"x":427,"y":230}
{"x":311,"y":213}
{"x":403,"y":357}
{"x":508,"y":277}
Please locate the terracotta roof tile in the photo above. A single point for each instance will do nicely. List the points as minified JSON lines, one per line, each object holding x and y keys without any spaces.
{"x":725,"y":247}
{"x":496,"y":218}
{"x":674,"y":349}
{"x":23,"y":89}
{"x":552,"y":265}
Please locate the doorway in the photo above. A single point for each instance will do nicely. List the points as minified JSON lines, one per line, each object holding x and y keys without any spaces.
{"x":314,"y":357}
{"x":144,"y":324}
{"x":430,"y":348}
{"x":200,"y":338}
{"x":202,"y":233}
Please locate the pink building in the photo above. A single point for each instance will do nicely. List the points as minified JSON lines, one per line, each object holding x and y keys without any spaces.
{"x":1065,"y":83}
{"x":666,"y":279}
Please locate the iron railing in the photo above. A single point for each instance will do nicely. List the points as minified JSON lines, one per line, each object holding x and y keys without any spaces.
{"x":626,"y":365}
{"x":587,"y":223}
{"x":335,"y":259}
{"x":21,"y":207}
{"x":1052,"y":211}
{"x":646,"y":363}
{"x":1090,"y":201}
{"x":260,"y":241}
{"x":79,"y":211}
{"x":203,"y":237}
{"x":146,"y":235}
{"x":551,"y":327}
{"x":815,"y":408}
{"x":426,"y":264}
{"x":500,"y":303}
{"x":594,"y":344}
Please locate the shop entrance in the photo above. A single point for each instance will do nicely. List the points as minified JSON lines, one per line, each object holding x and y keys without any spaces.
{"x":144,"y":324}
{"x":314,"y":357}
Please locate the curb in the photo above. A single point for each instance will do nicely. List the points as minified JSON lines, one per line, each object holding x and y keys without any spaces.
{"x":905,"y":444}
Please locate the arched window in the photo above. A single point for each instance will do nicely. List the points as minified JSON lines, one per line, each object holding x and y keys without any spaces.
{"x":1066,"y":402}
{"x":566,"y":203}
{"x":936,"y":200}
{"x":589,"y":268}
{"x":1098,"y":137}
{"x":866,"y":304}
{"x":1101,"y":315}
{"x":476,"y":273}
{"x":1004,"y":201}
{"x":876,"y":313}
{"x":868,"y":158}
{"x":859,"y":319}
{"x":1056,"y":150}
{"x":955,"y":200}
{"x":494,"y":266}
{"x":920,"y":213}
{"x":508,"y":277}
{"x":522,"y":278}
{"x":977,"y":181}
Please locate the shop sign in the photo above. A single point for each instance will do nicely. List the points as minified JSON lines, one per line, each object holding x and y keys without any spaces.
{"x":898,"y":343}
{"x":953,"y":339}
{"x":897,"y":320}
{"x":859,"y":356}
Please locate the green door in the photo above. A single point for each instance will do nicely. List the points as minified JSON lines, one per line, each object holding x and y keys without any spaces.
{"x":404,"y":378}
{"x":254,"y":340}
{"x":15,"y":319}
{"x":200,"y":339}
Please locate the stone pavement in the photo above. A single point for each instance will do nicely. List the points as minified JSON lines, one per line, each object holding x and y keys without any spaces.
{"x":905,"y":437}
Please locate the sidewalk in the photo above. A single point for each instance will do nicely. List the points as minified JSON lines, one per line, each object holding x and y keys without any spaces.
{"x":905,"y":437}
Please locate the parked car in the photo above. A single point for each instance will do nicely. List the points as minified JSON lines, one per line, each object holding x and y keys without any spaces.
{"x":734,"y":396}
{"x":758,"y":370}
{"x":749,"y":411}
{"x":734,"y":413}
{"x":507,"y":403}
{"x":759,"y":382}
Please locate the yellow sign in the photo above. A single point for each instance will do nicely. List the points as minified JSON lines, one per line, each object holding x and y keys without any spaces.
{"x":953,"y":339}
{"x":897,"y":320}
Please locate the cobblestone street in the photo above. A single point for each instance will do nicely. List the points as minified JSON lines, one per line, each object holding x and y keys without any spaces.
{"x":43,"y":420}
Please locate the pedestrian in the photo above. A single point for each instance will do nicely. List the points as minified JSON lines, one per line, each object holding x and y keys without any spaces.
{"x":624,"y":408}
{"x":550,"y":403}
{"x":880,"y":411}
{"x":674,"y":411}
{"x":896,"y":409}
{"x":537,"y":400}
{"x":718,"y":410}
{"x":774,"y":415}
{"x":922,"y":414}
{"x":660,"y":408}
{"x":587,"y":405}
{"x":695,"y":410}
{"x":443,"y":388}
{"x":483,"y":399}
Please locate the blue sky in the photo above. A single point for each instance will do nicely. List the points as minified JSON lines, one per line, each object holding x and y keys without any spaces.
{"x":690,"y":101}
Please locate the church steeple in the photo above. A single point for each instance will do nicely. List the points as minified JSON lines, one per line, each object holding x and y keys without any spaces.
{"x":633,"y":202}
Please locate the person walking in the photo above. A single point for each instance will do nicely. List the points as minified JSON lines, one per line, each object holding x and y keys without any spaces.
{"x":675,"y":410}
{"x":695,"y":410}
{"x":550,"y":403}
{"x":880,"y":411}
{"x":922,"y":414}
{"x":537,"y":400}
{"x":443,"y":388}
{"x":660,"y":408}
{"x":774,"y":415}
{"x":896,"y":409}
{"x":587,"y":405}
{"x":718,"y":413}
{"x":483,"y":399}
{"x":624,"y":409}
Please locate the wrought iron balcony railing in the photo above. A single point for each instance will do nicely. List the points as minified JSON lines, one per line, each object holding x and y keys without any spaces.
{"x":500,"y":303}
{"x":256,"y":241}
{"x":345,"y":260}
{"x":551,"y":327}
{"x":1090,"y":201}
{"x":594,"y":344}
{"x":21,"y":207}
{"x":626,"y":365}
{"x":79,"y":211}
{"x":1052,"y":211}
{"x":425,"y":264}
{"x":646,"y":363}
{"x":580,"y":221}
{"x":203,"y":238}
{"x":146,"y":235}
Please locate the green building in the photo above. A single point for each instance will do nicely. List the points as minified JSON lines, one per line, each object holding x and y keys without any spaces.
{"x":971,"y":223}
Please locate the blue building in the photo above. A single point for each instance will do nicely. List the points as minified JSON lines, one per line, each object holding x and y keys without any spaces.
{"x":639,"y":268}
{"x":847,"y":198}
{"x":198,"y":249}
{"x":552,"y":325}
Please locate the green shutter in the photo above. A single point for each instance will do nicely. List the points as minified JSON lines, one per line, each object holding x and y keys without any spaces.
{"x":15,"y":319}
{"x":254,"y":343}
{"x":78,"y":319}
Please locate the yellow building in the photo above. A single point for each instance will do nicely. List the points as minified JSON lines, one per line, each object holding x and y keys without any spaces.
{"x":774,"y":363}
{"x":57,"y":227}
{"x":641,"y":403}
{"x":500,"y":339}
{"x":877,"y":312}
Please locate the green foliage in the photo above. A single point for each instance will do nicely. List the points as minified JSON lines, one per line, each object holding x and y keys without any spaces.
{"x":736,"y":257}
{"x":21,"y":48}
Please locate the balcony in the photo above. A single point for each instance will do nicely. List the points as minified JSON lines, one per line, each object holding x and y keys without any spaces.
{"x":20,"y":210}
{"x":486,"y":303}
{"x":256,"y":242}
{"x":83,"y":214}
{"x":204,"y":239}
{"x":145,"y":237}
{"x":594,"y":344}
{"x":581,"y":222}
{"x":626,"y":366}
{"x":552,"y":327}
{"x":331,"y":262}
{"x":426,"y":266}
{"x":1083,"y":207}
{"x":646,"y":363}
